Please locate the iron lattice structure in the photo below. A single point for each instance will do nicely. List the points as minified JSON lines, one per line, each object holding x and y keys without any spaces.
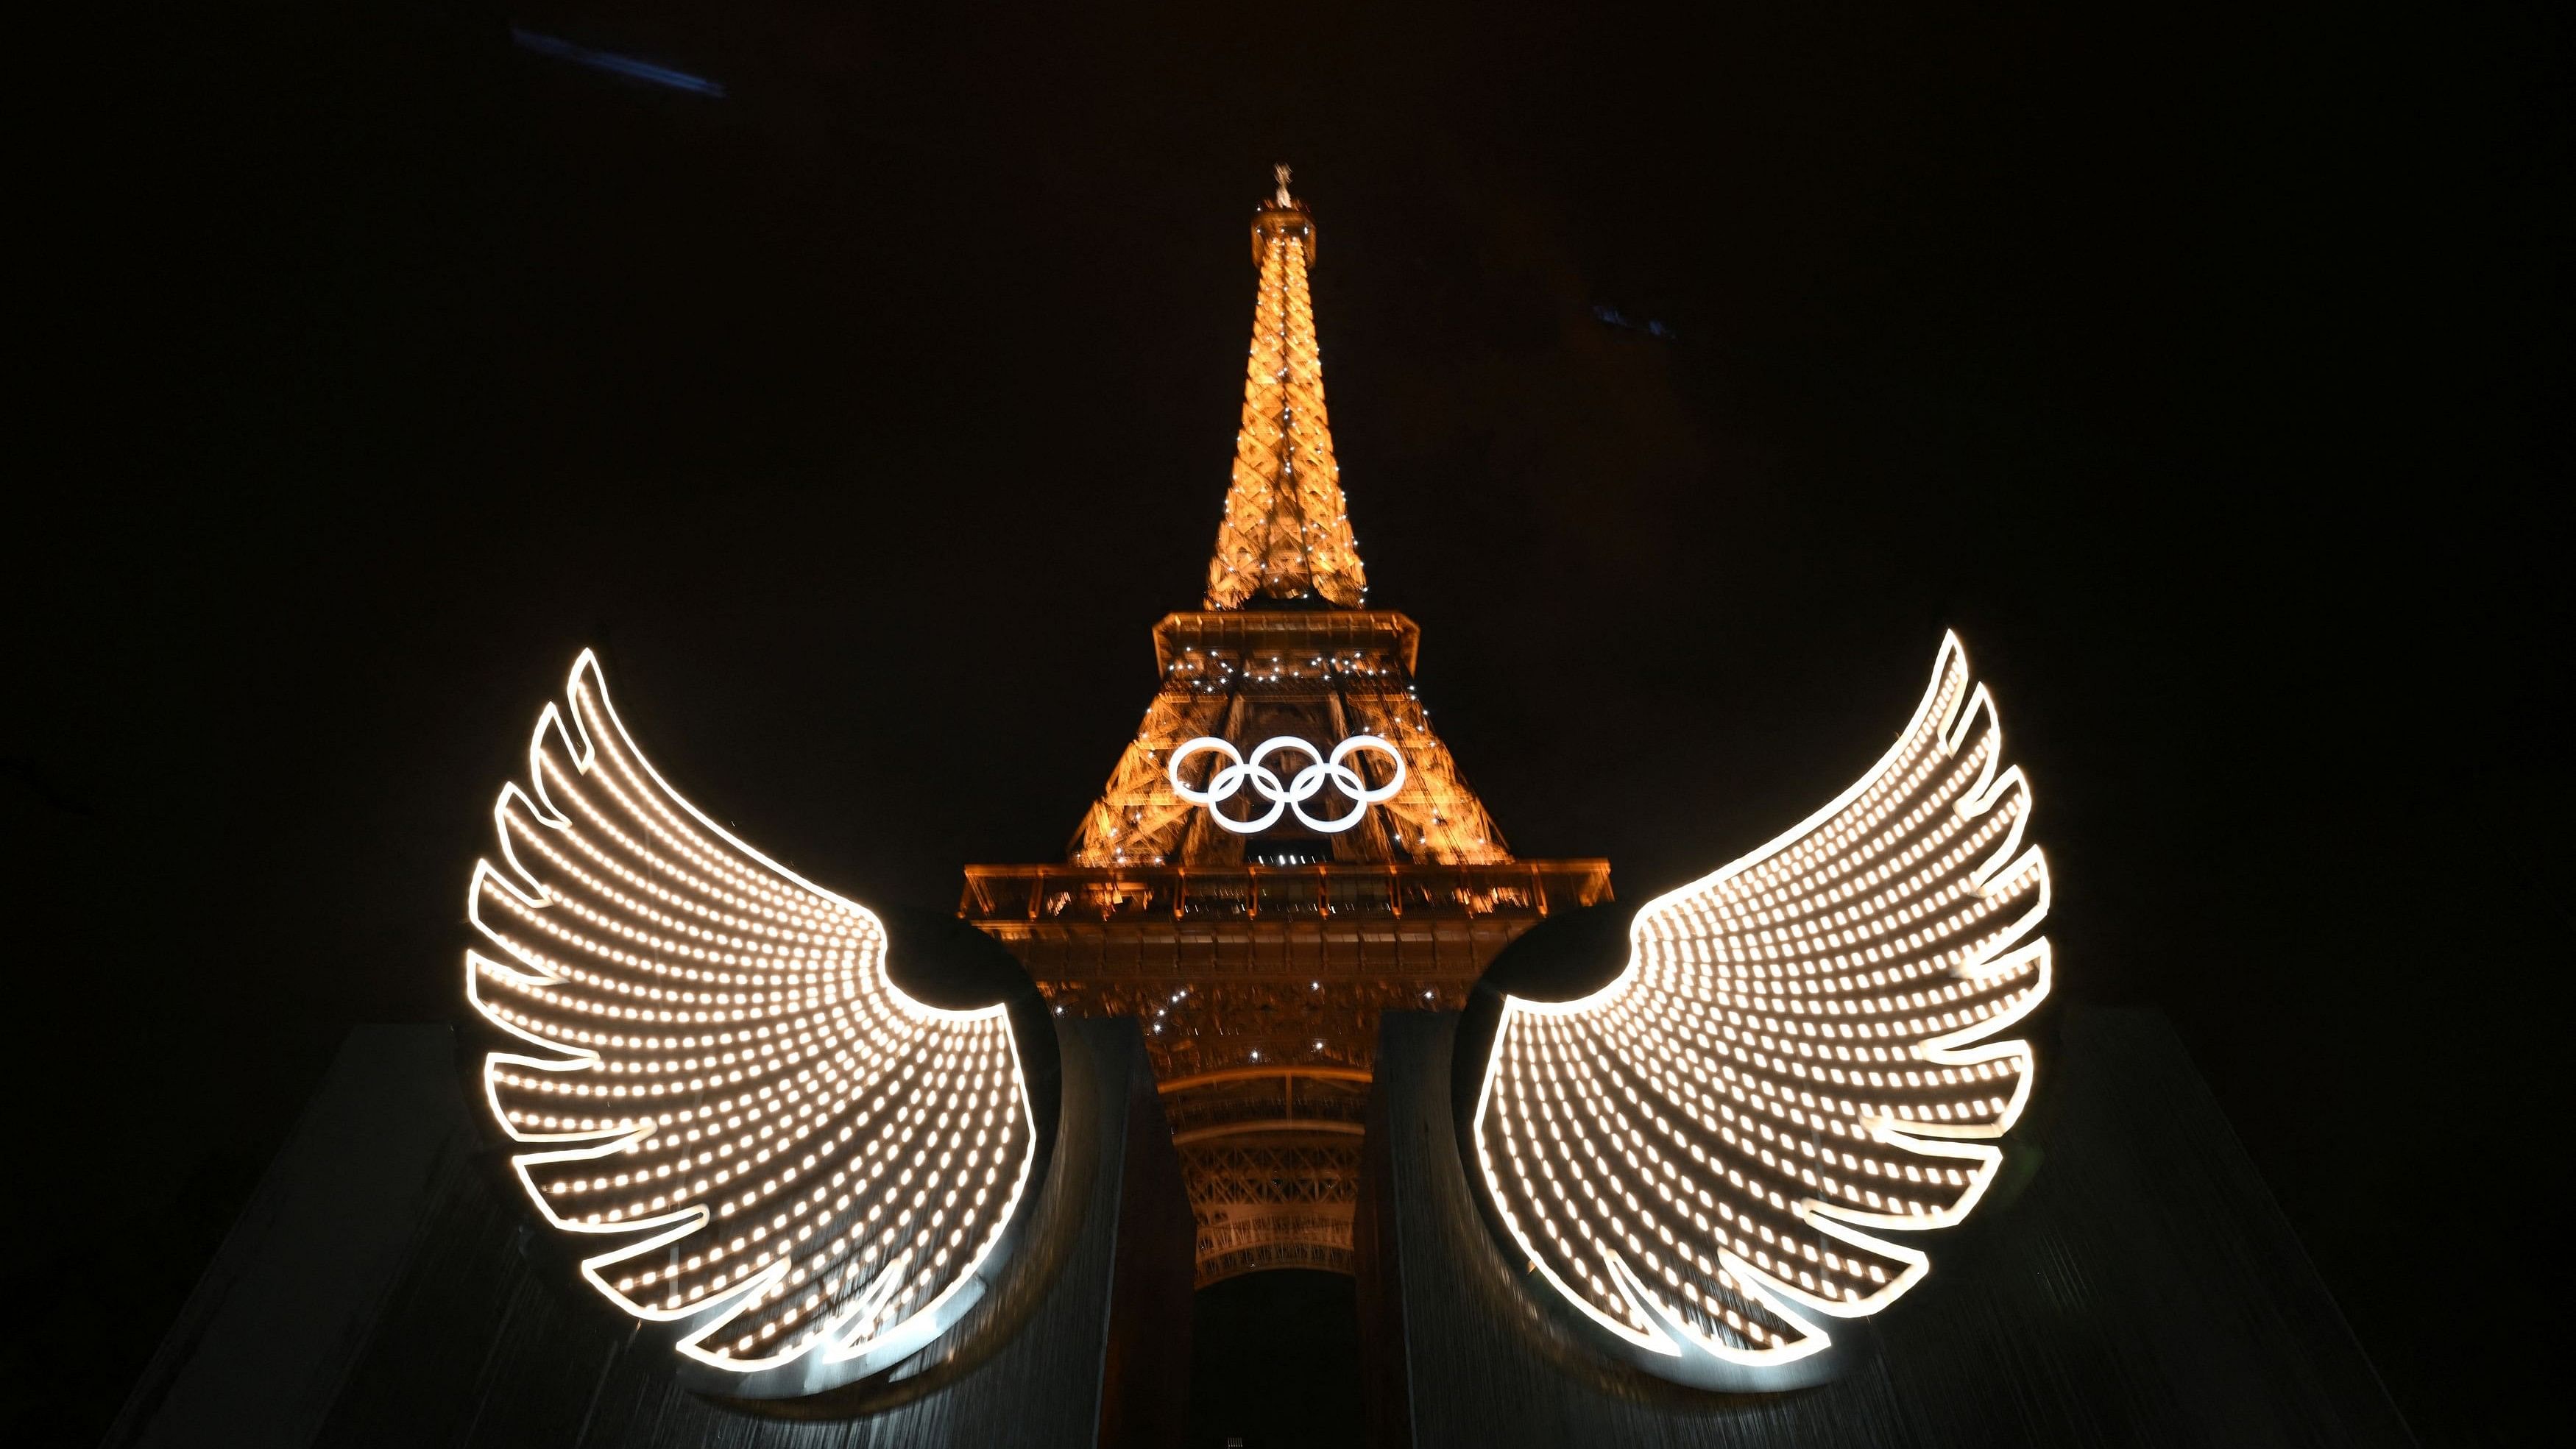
{"x":1276,"y":1201}
{"x":1259,"y":962}
{"x":1251,"y":675}
{"x":1286,"y":532}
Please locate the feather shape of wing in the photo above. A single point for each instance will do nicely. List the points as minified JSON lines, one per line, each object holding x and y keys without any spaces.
{"x":724,"y":1085}
{"x":1799,"y":1056}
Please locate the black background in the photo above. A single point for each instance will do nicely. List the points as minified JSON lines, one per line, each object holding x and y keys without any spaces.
{"x":2192,"y":364}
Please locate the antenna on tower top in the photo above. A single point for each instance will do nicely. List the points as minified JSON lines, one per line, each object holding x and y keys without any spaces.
{"x":1281,"y":171}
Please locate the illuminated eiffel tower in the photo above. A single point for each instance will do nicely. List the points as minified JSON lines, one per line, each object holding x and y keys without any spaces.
{"x":1260,"y":928}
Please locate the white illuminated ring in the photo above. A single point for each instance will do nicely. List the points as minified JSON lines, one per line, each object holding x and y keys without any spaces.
{"x":1229,"y":779}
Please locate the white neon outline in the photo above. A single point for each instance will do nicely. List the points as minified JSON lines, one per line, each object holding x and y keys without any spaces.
{"x":891,"y":1344}
{"x":1667,"y":1337}
{"x":1229,"y":780}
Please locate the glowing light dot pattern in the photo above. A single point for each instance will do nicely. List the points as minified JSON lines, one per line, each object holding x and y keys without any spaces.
{"x":1798,"y":1056}
{"x":776,"y":1138}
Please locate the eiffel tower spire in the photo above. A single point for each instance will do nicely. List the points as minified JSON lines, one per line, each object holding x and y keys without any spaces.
{"x":1286,"y":537}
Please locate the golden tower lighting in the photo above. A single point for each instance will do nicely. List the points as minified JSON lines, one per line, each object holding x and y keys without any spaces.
{"x":1285,"y":849}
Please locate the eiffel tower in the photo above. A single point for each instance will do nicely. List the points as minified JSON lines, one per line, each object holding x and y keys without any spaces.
{"x":1259,"y":929}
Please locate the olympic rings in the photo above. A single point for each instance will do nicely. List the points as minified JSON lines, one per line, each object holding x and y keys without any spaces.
{"x":1228,"y":781}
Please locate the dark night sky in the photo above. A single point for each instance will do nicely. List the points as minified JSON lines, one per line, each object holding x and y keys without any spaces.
{"x":2191,"y":364}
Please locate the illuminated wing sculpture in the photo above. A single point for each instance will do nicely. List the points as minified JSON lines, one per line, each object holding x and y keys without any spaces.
{"x":1703,"y":1156}
{"x":798,"y":1167}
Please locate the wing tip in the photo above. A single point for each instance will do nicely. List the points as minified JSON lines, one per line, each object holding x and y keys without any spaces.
{"x":586,"y":664}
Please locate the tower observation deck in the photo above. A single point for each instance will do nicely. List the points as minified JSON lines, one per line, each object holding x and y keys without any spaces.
{"x":1315,"y":859}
